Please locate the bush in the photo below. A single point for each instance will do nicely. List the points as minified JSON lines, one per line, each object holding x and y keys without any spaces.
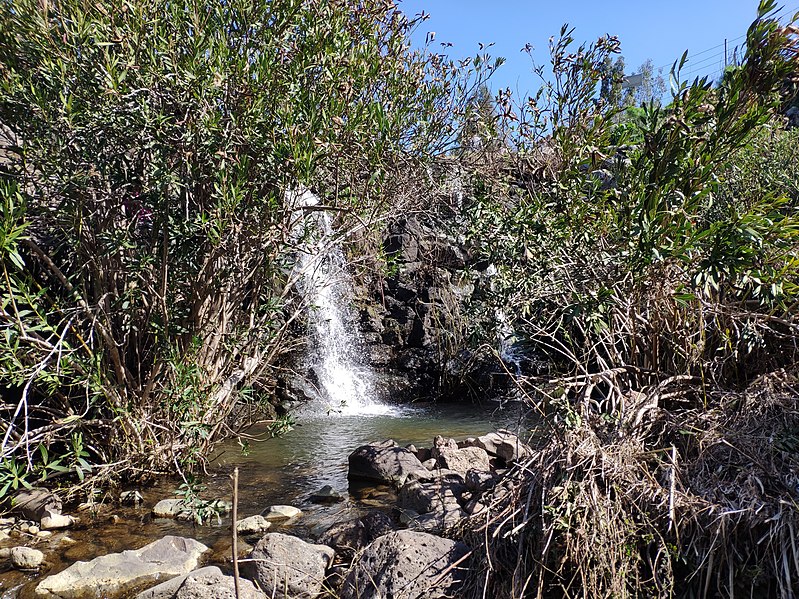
{"x":146,"y":230}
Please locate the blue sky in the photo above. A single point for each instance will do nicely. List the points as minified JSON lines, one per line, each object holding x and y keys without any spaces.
{"x":658,"y":30}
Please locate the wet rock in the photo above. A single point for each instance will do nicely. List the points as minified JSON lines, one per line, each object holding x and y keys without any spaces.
{"x":252,"y":525}
{"x":26,"y":558}
{"x":285,"y":566}
{"x":326,"y":494}
{"x":383,"y":463}
{"x":275,"y":513}
{"x":464,"y":459}
{"x":347,"y":538}
{"x":176,"y":508}
{"x":35,"y":503}
{"x":205,"y":583}
{"x":52,"y":521}
{"x":504,"y":445}
{"x":406,"y":564}
{"x":117,"y":574}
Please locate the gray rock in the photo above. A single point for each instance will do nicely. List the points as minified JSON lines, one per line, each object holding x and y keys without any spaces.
{"x":288,"y":567}
{"x":205,"y":583}
{"x":504,"y":445}
{"x":326,"y":494}
{"x":35,"y":503}
{"x":464,"y":459}
{"x":438,"y":521}
{"x":431,"y":496}
{"x":252,"y":525}
{"x":54,"y":520}
{"x":430,"y":464}
{"x":118,"y":574}
{"x":406,"y":565}
{"x":347,"y":538}
{"x":275,"y":513}
{"x":478,"y":481}
{"x":26,"y":558}
{"x":383,"y":463}
{"x":171,"y":508}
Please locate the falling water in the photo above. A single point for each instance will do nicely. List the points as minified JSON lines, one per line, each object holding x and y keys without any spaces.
{"x":344,"y":383}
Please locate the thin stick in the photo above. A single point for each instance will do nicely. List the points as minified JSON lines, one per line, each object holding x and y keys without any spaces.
{"x":235,"y":531}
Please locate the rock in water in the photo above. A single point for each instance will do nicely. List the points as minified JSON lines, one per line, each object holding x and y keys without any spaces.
{"x":120,"y":573}
{"x":53,"y":520}
{"x":384,"y":463}
{"x":285,"y":566}
{"x":205,"y":583}
{"x":327,"y":494}
{"x":276,"y":513}
{"x":26,"y":558}
{"x":407,"y":565}
{"x":252,"y":525}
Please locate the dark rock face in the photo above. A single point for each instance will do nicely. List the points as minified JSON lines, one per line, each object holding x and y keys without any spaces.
{"x":408,"y":323}
{"x":384,"y":463}
{"x":406,"y":565}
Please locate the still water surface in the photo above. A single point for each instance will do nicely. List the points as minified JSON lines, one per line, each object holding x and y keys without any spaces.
{"x":281,"y":470}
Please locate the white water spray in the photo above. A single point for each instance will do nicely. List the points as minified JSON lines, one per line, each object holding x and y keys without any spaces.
{"x":344,"y":382}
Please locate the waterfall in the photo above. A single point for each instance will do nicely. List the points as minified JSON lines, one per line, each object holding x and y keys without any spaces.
{"x":344,"y":382}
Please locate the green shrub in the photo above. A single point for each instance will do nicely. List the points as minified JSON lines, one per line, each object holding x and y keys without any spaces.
{"x":145,"y":229}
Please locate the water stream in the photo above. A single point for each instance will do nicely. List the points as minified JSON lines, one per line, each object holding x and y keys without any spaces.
{"x":344,"y":414}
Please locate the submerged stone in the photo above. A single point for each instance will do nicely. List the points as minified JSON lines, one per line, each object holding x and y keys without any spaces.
{"x":281,"y":512}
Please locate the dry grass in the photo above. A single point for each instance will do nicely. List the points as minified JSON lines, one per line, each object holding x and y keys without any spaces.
{"x":673,"y":498}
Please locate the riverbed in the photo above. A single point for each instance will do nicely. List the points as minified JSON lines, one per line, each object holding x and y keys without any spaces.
{"x":272,"y":470}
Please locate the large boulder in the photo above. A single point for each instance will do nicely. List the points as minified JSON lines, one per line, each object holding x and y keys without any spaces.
{"x":384,"y":463}
{"x":406,"y":565}
{"x":205,"y":583}
{"x":349,"y":537}
{"x":118,"y":574}
{"x":288,"y":567}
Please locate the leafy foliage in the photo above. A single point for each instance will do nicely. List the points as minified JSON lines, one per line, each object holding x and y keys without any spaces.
{"x":145,"y":229}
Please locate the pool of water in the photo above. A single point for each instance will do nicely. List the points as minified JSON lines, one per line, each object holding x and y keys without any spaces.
{"x":280,"y":470}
